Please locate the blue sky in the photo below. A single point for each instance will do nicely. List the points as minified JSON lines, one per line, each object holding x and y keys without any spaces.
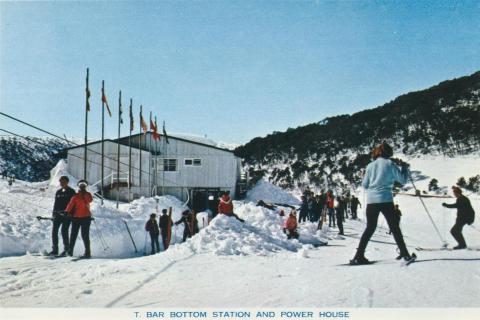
{"x":232,"y":70}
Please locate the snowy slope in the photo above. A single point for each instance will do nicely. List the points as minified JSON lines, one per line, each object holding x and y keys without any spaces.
{"x":229,"y":264}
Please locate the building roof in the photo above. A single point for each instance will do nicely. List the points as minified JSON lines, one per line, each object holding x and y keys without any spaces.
{"x":138,"y":134}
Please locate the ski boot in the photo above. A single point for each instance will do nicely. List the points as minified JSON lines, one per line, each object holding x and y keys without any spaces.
{"x":63,"y":254}
{"x":356,"y":261}
{"x":459,"y":247}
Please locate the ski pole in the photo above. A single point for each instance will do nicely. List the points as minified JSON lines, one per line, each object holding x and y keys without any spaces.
{"x":100,"y":236}
{"x":473,"y":227}
{"x":145,"y":244}
{"x":445,"y":244}
{"x":128,"y":230}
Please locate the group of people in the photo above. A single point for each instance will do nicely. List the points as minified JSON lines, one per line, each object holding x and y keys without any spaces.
{"x":378,"y":181}
{"x":316,"y":208}
{"x":189,"y":221}
{"x":71,"y":208}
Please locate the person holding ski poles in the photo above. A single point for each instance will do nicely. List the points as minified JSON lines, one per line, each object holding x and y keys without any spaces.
{"x":60,"y":218}
{"x":378,"y":181}
{"x":152,"y":228}
{"x":79,"y":209}
{"x":465,"y":215}
{"x":165,"y":223}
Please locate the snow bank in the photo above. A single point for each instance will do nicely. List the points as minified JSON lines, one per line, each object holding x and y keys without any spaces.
{"x":268,"y":192}
{"x":261,"y":234}
{"x":61,"y":169}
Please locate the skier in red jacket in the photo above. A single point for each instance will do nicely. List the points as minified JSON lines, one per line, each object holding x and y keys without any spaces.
{"x":79,"y":209}
{"x":290,"y":226}
{"x":226,"y":206}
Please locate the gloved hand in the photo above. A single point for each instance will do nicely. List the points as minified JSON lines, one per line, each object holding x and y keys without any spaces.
{"x":444,"y":204}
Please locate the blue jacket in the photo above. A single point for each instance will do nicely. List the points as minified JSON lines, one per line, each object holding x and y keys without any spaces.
{"x":379,"y":178}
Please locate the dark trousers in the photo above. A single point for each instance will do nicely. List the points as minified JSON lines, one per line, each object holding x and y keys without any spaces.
{"x":354,"y":212}
{"x":84,"y":225}
{"x":186,"y":234}
{"x":64,"y":223}
{"x":373,"y":210}
{"x":302,"y":216}
{"x":456,"y":232}
{"x":331,"y":217}
{"x":340,"y":222}
{"x":292,"y":234}
{"x":154,"y":242}
{"x":165,"y":239}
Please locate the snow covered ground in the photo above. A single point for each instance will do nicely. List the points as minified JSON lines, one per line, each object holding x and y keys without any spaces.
{"x":229,"y":264}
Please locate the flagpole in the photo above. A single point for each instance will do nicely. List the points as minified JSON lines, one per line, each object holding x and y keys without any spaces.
{"x":156,"y":157}
{"x":130,"y":150}
{"x":140,"y":149}
{"x":118,"y":145}
{"x":164,"y":155}
{"x":149,"y":162}
{"x":103,"y":137}
{"x":87,"y":108}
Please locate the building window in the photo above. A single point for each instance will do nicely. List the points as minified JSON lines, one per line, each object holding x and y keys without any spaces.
{"x":167,"y":165}
{"x":193,"y":162}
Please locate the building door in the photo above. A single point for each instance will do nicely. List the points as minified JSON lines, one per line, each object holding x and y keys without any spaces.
{"x":203,"y":199}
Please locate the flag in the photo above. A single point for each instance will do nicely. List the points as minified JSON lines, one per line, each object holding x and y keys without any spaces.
{"x":104,"y":100}
{"x":87,"y":91}
{"x":165,"y":133}
{"x":131,"y":117}
{"x":142,"y":123}
{"x":153,"y":128}
{"x":120,"y":111}
{"x":156,"y":130}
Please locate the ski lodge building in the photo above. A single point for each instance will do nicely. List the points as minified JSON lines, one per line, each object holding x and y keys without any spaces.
{"x":194,"y":170}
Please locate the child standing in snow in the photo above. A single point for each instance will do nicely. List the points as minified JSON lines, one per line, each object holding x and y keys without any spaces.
{"x":290,"y":226}
{"x":152,"y":227}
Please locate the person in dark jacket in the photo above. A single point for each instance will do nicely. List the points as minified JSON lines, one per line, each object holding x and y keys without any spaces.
{"x":165,"y":224}
{"x":340,"y":214}
{"x":465,"y":215}
{"x":79,"y":209}
{"x":189,"y":228}
{"x":152,"y":228}
{"x":354,"y":203}
{"x":330,"y":208}
{"x":311,"y":209}
{"x":317,"y":208}
{"x":303,"y":210}
{"x":60,"y":218}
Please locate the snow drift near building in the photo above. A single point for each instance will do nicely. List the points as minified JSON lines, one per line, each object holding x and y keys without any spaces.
{"x":269,"y":192}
